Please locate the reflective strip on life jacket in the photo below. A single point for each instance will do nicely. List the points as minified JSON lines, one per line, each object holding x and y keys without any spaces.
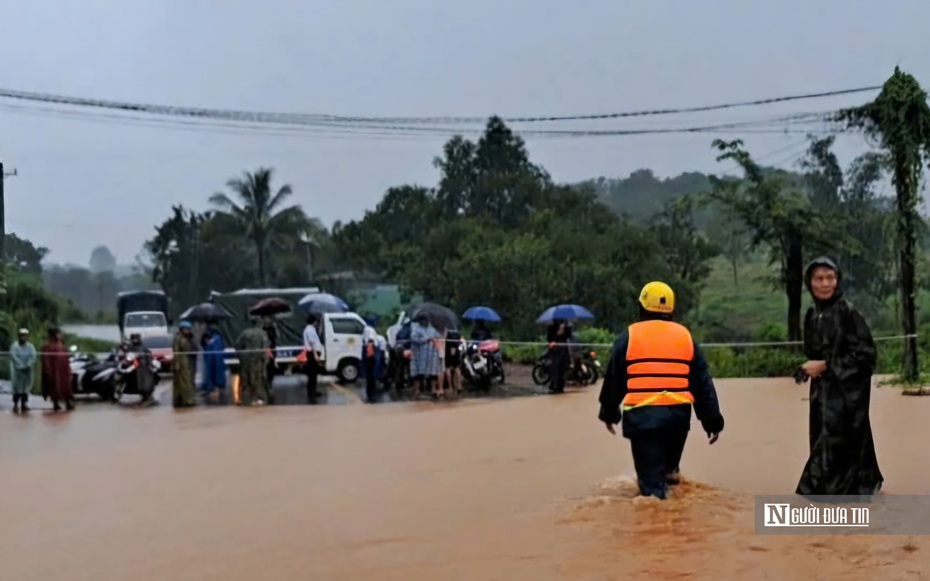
{"x":658,"y":361}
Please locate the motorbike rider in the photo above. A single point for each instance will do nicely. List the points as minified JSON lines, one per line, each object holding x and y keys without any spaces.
{"x":144,"y":377}
{"x":480,"y":331}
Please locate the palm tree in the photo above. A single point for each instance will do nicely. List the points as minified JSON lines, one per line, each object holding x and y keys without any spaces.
{"x":258,"y":215}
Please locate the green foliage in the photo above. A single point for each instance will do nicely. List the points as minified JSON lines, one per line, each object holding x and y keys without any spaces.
{"x":900,"y":119}
{"x":497,"y":231}
{"x":27,"y":304}
{"x":257,"y":214}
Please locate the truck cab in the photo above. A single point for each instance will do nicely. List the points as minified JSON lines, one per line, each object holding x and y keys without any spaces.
{"x":142,"y":312}
{"x":145,"y":323}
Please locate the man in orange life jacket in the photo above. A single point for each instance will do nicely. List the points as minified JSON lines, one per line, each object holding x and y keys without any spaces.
{"x":656,"y":373}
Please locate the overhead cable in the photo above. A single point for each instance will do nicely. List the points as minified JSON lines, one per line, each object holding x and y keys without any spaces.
{"x":298,"y":118}
{"x":781,"y":124}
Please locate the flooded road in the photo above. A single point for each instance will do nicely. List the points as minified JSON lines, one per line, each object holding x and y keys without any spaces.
{"x":527,"y":488}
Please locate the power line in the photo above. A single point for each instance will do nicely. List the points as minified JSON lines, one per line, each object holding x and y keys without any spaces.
{"x":325,"y":129}
{"x":298,"y":118}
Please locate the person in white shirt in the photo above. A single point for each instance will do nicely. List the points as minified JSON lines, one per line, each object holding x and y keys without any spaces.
{"x":314,"y":348}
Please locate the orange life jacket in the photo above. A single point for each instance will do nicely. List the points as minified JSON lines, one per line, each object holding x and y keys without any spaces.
{"x":658,"y":363}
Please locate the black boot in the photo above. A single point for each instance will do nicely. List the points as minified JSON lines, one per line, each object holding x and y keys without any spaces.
{"x":15,"y":403}
{"x":22,"y":402}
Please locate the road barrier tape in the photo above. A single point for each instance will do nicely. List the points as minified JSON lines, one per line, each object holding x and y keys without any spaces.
{"x":578,"y":345}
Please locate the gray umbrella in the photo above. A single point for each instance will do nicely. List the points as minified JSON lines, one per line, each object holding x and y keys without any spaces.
{"x":440,"y":317}
{"x":205,"y":313}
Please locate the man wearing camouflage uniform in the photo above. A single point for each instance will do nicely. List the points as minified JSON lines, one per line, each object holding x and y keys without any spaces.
{"x":183,"y":367}
{"x":254,"y":350}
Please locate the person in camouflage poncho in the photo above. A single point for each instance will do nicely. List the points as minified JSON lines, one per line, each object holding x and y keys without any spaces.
{"x":254,"y":348}
{"x":183,"y":367}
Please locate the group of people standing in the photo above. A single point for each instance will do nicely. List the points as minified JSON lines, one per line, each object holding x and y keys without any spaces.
{"x":432,"y":358}
{"x":255,"y":349}
{"x":54,"y":366}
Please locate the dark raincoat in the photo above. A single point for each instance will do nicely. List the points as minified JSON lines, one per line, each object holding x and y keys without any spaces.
{"x":373,"y":368}
{"x":145,"y":377}
{"x":842,"y":452}
{"x":377,"y":371}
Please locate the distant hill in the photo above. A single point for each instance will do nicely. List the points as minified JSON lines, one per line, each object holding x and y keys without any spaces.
{"x":642,"y":194}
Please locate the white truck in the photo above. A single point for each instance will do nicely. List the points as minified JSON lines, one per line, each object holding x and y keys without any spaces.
{"x":142,"y":312}
{"x":342,"y":334}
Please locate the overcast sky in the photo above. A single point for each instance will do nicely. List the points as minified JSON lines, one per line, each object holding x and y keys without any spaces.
{"x":82,"y":183}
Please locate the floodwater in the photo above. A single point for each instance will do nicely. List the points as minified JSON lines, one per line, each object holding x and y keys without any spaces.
{"x":100,"y":332}
{"x":521,"y":489}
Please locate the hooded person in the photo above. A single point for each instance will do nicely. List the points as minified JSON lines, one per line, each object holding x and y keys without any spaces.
{"x":213,"y":381}
{"x":23,"y":359}
{"x":656,"y":374}
{"x":841,"y":359}
{"x":184,"y":367}
{"x":56,"y":371}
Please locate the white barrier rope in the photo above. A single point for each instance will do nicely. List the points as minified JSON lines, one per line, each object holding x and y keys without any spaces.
{"x":580,"y":344}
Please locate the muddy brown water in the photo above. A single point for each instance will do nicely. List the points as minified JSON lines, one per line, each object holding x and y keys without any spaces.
{"x":526,"y":488}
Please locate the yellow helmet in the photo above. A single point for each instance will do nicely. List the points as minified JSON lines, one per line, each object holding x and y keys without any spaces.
{"x":657,"y":297}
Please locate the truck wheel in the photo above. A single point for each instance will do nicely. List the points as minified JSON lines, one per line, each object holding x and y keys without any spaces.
{"x":349,"y":370}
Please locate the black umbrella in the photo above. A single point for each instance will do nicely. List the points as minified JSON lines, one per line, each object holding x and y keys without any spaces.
{"x":270,"y":307}
{"x":205,"y":313}
{"x":438,"y":316}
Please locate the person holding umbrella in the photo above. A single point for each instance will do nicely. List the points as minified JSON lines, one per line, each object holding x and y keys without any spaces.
{"x":558,"y":335}
{"x":425,"y":364}
{"x":268,"y":309}
{"x":214,"y":364}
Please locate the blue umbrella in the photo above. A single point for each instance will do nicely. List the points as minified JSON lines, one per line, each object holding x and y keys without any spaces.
{"x":481,"y":314}
{"x":564,"y":312}
{"x":323,"y":303}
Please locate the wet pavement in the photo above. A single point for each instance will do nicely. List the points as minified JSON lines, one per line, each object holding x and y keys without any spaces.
{"x":525,"y":488}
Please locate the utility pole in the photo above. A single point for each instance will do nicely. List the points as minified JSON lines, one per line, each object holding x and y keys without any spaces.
{"x":3,"y":176}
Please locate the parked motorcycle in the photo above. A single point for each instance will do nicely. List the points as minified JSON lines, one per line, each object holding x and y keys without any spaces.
{"x":482,"y":364}
{"x":584,"y":370}
{"x":79,"y":362}
{"x":115,"y":376}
